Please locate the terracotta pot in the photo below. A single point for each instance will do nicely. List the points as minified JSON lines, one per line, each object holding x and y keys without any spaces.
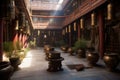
{"x":92,"y":58}
{"x":6,"y":70}
{"x":111,"y":61}
{"x":81,"y":53}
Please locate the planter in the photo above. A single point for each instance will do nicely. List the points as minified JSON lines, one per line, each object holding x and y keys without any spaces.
{"x":111,"y":61}
{"x":81,"y":53}
{"x":15,"y":62}
{"x":64,"y":48}
{"x":92,"y":58}
{"x":46,"y":47}
{"x":70,"y":51}
{"x":6,"y":70}
{"x":48,"y":51}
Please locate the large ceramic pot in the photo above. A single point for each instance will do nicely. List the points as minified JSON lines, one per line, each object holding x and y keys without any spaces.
{"x":6,"y":70}
{"x":48,"y":50}
{"x":64,"y":48}
{"x":81,"y":53}
{"x":46,"y":47}
{"x":92,"y":58}
{"x":15,"y":62}
{"x":70,"y":51}
{"x":111,"y":61}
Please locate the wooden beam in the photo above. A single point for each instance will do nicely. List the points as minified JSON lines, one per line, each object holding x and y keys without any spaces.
{"x":48,"y":16}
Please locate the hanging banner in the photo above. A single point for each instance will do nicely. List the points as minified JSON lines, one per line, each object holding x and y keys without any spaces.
{"x":81,"y":23}
{"x":38,"y":32}
{"x":109,"y":11}
{"x":93,"y":19}
{"x":75,"y":26}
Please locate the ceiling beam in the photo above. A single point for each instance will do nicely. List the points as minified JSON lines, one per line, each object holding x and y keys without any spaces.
{"x":48,"y":16}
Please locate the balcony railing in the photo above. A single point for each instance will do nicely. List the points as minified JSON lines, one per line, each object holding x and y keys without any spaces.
{"x":85,"y":7}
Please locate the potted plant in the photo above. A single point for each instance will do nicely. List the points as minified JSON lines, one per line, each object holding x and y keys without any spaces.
{"x":12,"y":54}
{"x":80,"y":47}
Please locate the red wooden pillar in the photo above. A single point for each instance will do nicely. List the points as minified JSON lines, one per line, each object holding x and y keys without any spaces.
{"x":1,"y":38}
{"x":101,"y":33}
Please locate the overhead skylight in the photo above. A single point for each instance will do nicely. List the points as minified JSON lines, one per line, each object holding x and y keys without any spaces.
{"x":48,"y":4}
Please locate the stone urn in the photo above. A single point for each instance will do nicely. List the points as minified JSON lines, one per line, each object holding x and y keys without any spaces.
{"x":111,"y":61}
{"x":92,"y":58}
{"x":6,"y":70}
{"x":81,"y":53}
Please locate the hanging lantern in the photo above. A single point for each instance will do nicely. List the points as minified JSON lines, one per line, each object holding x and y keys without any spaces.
{"x":16,"y":28}
{"x":81,"y":23}
{"x":93,"y":19}
{"x":28,"y":32}
{"x":22,"y":19}
{"x":26,"y":23}
{"x":75,"y":26}
{"x":11,"y":13}
{"x":21,"y":30}
{"x":69,"y":28}
{"x":109,"y":11}
{"x":38,"y":32}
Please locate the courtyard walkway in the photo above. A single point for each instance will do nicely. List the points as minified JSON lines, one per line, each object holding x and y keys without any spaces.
{"x":34,"y":67}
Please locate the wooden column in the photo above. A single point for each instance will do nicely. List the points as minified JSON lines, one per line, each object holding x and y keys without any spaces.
{"x":1,"y":38}
{"x":69,"y":33}
{"x":101,"y":33}
{"x":69,"y":39}
{"x":78,"y":30}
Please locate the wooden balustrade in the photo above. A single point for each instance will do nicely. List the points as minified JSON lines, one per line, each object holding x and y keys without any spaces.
{"x":86,"y":7}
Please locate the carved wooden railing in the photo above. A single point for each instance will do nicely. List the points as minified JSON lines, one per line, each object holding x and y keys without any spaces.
{"x":85,"y":7}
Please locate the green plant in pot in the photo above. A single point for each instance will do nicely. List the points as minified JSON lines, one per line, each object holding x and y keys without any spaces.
{"x":80,"y":47}
{"x":12,"y":54}
{"x":20,"y":52}
{"x":8,"y":48}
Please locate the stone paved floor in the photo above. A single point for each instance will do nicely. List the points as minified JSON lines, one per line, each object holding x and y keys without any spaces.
{"x":34,"y":67}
